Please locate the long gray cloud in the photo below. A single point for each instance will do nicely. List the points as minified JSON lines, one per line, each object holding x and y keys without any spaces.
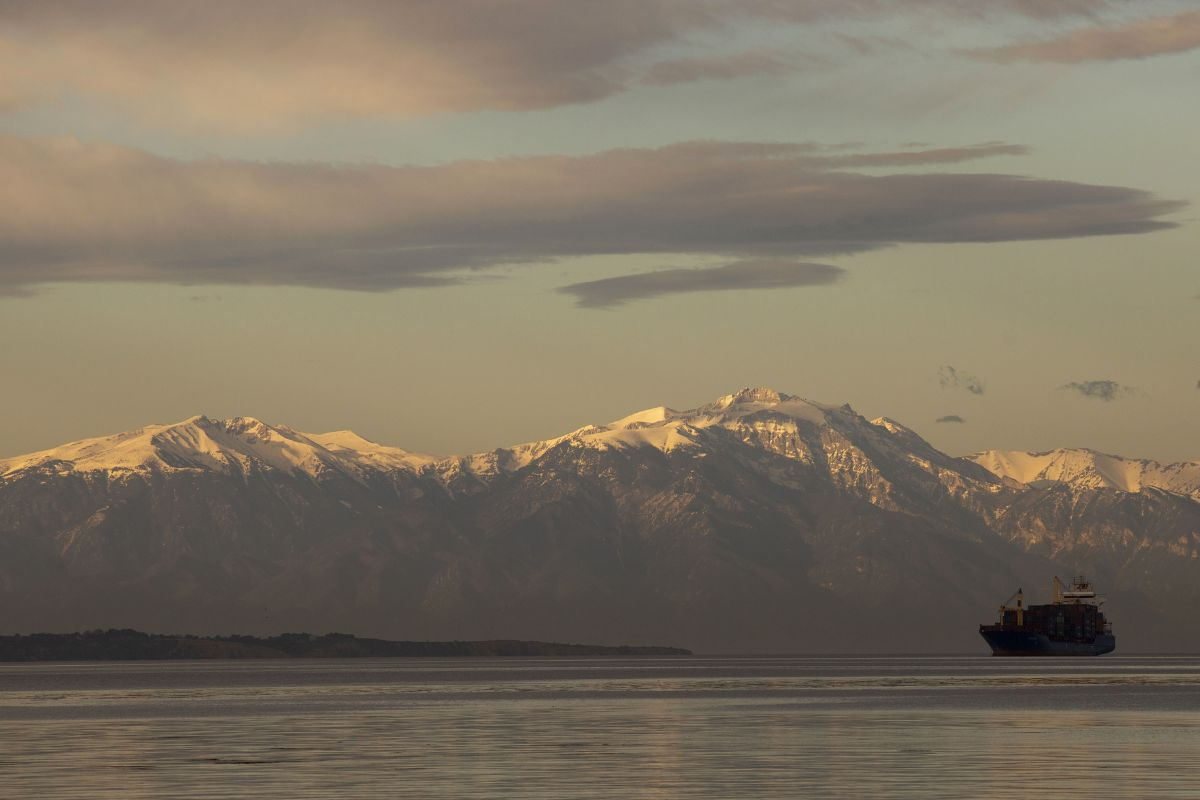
{"x":1139,"y":39}
{"x":1104,"y":390}
{"x":942,"y":155}
{"x":235,"y":65}
{"x":767,"y":274}
{"x":950,"y":418}
{"x":951,"y":377}
{"x":739,"y":65}
{"x":90,"y":212}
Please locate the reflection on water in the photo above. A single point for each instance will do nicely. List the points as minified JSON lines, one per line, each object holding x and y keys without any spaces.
{"x":555,"y":728}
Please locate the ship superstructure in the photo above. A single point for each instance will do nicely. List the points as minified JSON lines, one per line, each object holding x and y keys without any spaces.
{"x":1071,"y":625}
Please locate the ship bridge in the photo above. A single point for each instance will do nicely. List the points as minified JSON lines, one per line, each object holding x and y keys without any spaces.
{"x":1081,"y":591}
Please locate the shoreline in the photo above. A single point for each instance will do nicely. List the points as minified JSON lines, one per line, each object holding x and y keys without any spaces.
{"x":131,"y":645}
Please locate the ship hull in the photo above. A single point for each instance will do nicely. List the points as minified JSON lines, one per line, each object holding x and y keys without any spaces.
{"x":1023,"y":643}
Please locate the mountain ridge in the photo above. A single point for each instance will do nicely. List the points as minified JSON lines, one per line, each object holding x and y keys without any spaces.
{"x":1087,"y":468}
{"x":201,"y":442}
{"x":190,"y":443}
{"x":757,"y":522}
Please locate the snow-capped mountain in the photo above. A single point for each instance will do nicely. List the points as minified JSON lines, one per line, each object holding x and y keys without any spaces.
{"x":232,"y":446}
{"x":1088,"y":469}
{"x":1133,"y":523}
{"x":813,"y":434}
{"x":820,"y":436}
{"x":759,"y":521}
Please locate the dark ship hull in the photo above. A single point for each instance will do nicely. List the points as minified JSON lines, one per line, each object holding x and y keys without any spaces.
{"x":1022,"y":643}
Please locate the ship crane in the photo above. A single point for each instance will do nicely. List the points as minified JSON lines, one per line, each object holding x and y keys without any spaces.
{"x":1019,"y":596}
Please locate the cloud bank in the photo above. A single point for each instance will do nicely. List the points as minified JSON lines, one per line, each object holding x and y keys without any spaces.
{"x":91,"y":212}
{"x":610,"y":292}
{"x":248,"y":66}
{"x":1105,"y":391}
{"x":952,"y":378}
{"x":1140,"y":39}
{"x":950,"y":418}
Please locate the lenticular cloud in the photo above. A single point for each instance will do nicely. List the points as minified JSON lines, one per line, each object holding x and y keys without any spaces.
{"x":91,"y":212}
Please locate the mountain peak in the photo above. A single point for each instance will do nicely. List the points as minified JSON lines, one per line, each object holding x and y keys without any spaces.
{"x":896,"y":428}
{"x":649,"y":416}
{"x":757,"y":394}
{"x":346,"y":438}
{"x":248,"y":425}
{"x":198,"y":442}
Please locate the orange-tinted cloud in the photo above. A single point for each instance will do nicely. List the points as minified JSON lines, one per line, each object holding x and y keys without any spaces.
{"x":1140,"y":39}
{"x":230,"y":65}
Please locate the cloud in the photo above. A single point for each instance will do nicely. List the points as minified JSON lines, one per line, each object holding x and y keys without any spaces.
{"x":942,"y":155}
{"x":1140,"y":39}
{"x":949,"y":377}
{"x":250,"y":66}
{"x":609,"y":292}
{"x":741,"y":65}
{"x":950,"y":418}
{"x":230,"y":65}
{"x":94,"y":212}
{"x":1034,"y":9}
{"x":1106,"y":391}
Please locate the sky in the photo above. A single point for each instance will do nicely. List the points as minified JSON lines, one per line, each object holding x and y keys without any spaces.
{"x":452,"y":226}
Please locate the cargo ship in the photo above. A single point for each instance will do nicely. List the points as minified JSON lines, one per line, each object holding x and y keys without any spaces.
{"x":1071,"y":625}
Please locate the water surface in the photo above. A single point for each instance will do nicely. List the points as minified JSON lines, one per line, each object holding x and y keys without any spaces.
{"x":1110,"y":727}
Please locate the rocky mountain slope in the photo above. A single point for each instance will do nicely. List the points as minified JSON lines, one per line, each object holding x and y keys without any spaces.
{"x":758,"y":522}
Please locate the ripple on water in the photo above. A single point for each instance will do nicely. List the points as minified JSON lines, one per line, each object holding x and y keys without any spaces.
{"x":554,"y":728}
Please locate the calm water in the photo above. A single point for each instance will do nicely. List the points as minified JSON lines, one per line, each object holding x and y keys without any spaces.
{"x":1111,"y":727}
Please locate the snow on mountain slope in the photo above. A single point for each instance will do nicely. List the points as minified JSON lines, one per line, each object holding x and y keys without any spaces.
{"x":232,"y":446}
{"x":783,"y":424}
{"x":849,"y":447}
{"x":350,"y":446}
{"x":647,"y":417}
{"x":746,"y":402}
{"x":660,"y":427}
{"x":835,"y":441}
{"x":1088,"y":469}
{"x":666,"y":429}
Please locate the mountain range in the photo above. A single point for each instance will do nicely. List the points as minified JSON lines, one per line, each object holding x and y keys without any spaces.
{"x":760,"y":522}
